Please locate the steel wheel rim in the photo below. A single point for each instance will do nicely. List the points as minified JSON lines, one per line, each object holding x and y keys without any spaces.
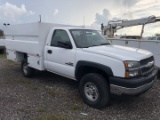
{"x":91,"y":91}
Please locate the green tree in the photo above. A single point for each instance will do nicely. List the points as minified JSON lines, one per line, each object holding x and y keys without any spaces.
{"x":1,"y":33}
{"x":157,"y":34}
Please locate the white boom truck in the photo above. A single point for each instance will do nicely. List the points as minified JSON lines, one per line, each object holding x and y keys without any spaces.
{"x":113,"y":26}
{"x":149,"y":45}
{"x":83,"y":55}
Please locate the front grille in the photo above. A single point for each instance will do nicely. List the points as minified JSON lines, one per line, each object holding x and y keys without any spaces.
{"x":145,"y":61}
{"x":144,"y":66}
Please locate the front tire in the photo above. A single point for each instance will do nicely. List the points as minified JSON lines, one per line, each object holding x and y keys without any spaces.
{"x":94,"y":90}
{"x":26,"y":70}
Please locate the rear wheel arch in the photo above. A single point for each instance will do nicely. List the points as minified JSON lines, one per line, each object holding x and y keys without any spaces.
{"x":26,"y":70}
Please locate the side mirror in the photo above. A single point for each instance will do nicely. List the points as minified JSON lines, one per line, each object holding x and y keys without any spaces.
{"x":65,"y":45}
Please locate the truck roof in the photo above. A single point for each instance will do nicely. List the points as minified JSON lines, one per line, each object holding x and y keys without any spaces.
{"x":44,"y":23}
{"x":35,"y":29}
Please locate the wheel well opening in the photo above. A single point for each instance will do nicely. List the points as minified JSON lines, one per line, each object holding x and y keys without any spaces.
{"x":87,"y":69}
{"x":25,"y":56}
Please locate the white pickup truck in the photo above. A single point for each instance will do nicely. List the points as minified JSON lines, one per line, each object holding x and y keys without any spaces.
{"x":83,"y":55}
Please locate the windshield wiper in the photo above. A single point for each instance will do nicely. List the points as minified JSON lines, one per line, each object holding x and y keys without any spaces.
{"x":105,"y":44}
{"x":97,"y":45}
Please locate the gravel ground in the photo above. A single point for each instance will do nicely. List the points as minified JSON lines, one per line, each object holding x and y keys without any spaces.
{"x":50,"y":97}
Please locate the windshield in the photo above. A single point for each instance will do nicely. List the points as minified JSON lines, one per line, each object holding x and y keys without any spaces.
{"x":88,"y":38}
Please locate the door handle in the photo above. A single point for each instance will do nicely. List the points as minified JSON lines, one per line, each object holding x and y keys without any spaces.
{"x":49,"y":51}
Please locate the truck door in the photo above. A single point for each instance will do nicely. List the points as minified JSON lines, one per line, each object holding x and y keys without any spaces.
{"x":58,"y":59}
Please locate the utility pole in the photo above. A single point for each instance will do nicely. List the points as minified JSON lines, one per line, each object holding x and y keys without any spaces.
{"x":84,"y":21}
{"x":40,"y":19}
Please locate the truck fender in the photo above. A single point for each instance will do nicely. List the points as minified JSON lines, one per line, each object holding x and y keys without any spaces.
{"x":82,"y":64}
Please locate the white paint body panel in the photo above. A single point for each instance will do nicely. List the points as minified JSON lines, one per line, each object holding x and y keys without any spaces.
{"x":11,"y":55}
{"x":29,"y":38}
{"x":149,"y":45}
{"x":34,"y":39}
{"x":15,"y":56}
{"x":83,"y":55}
{"x":2,"y":43}
{"x":120,"y":52}
{"x":35,"y":62}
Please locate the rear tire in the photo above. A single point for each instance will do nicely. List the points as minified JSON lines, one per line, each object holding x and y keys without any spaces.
{"x":1,"y":51}
{"x":94,"y":90}
{"x":26,"y":70}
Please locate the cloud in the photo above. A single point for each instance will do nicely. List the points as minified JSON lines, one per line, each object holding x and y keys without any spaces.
{"x":55,"y":12}
{"x":31,"y":13}
{"x":9,"y":10}
{"x":126,"y":3}
{"x":121,"y":11}
{"x":103,"y":18}
{"x":130,"y":10}
{"x":122,"y":4}
{"x":142,"y":9}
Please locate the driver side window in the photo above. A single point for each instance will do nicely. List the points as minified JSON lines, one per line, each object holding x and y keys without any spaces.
{"x":60,"y":36}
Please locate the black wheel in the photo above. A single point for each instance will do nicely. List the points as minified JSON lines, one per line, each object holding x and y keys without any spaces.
{"x":1,"y":51}
{"x":26,"y":70}
{"x":94,"y":90}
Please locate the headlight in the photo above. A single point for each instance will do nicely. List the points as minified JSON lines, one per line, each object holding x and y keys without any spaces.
{"x":132,"y":68}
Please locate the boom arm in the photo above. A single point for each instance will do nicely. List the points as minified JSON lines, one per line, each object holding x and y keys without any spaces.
{"x":113,"y":26}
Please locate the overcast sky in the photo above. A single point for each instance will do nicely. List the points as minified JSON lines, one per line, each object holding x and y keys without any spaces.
{"x":78,"y":12}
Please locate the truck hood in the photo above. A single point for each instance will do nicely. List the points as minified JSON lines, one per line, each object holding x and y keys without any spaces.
{"x":119,"y":52}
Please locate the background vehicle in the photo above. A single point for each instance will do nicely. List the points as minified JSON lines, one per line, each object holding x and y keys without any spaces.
{"x":154,"y":38}
{"x":83,"y":55}
{"x":150,"y":45}
{"x":131,"y":37}
{"x":113,"y":26}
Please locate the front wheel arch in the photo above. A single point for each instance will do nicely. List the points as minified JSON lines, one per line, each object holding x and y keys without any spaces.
{"x":85,"y":67}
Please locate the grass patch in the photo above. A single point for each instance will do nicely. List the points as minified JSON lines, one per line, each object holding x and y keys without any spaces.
{"x":35,"y":88}
{"x":42,"y":109}
{"x":2,"y":55}
{"x":24,"y":81}
{"x":51,"y":91}
{"x":9,"y":62}
{"x":75,"y":107}
{"x":51,"y":117}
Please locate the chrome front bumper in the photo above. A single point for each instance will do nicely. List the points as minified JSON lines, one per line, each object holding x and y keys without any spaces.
{"x":135,"y":86}
{"x":118,"y":90}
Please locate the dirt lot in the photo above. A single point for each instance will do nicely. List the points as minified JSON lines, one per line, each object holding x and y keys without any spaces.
{"x":51,"y":97}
